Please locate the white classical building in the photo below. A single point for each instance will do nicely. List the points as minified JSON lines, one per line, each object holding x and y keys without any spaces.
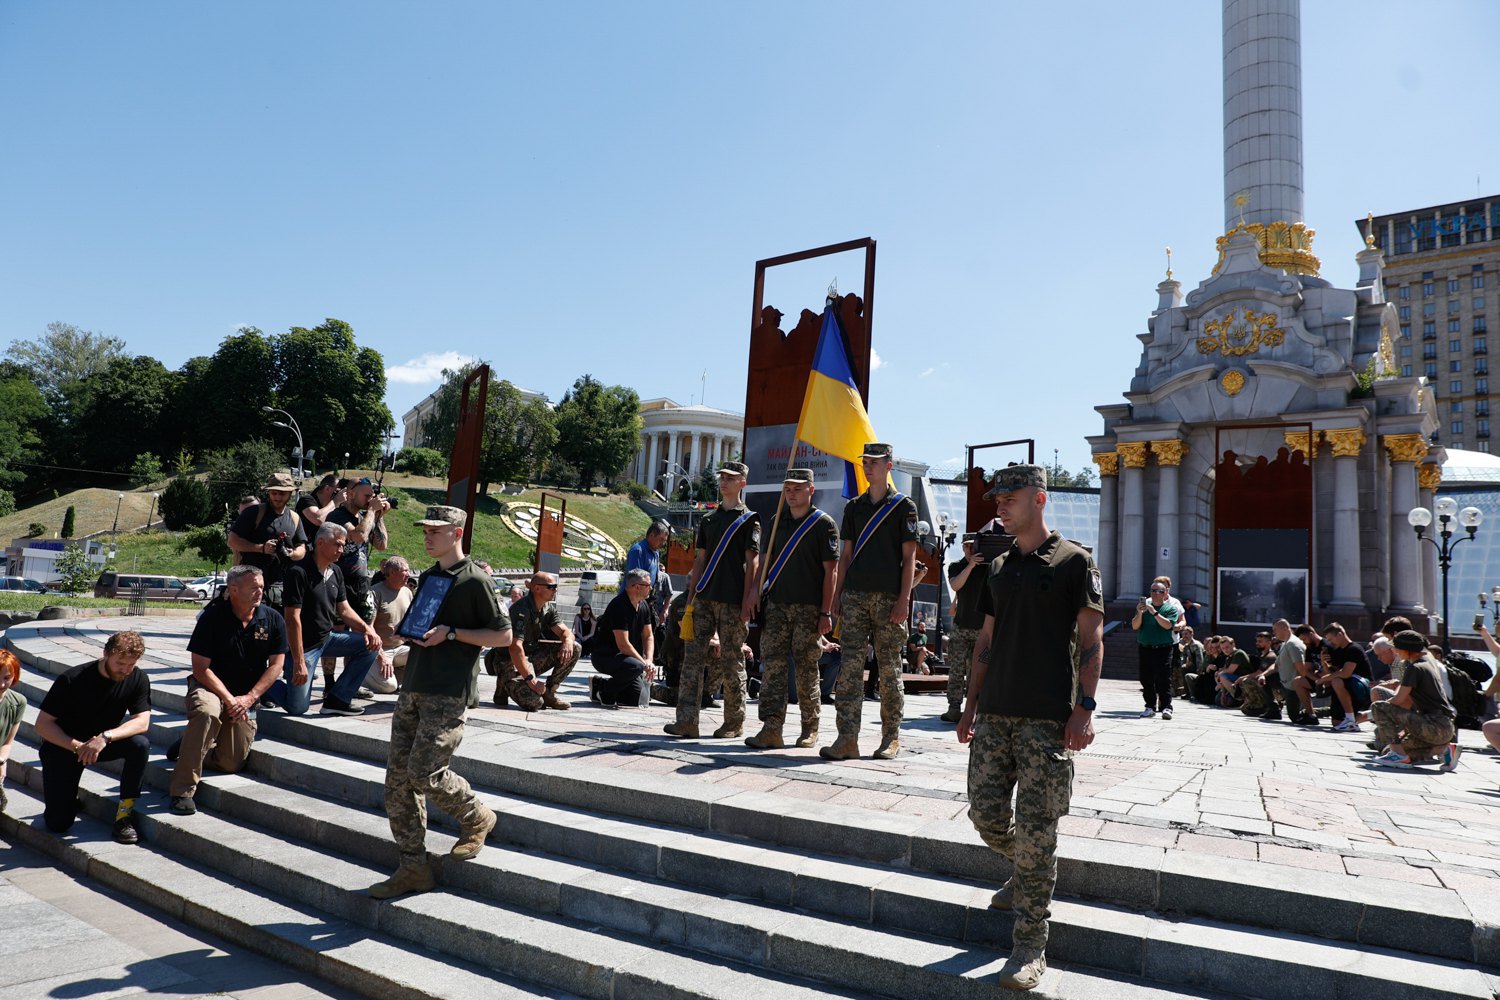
{"x":678,"y":441}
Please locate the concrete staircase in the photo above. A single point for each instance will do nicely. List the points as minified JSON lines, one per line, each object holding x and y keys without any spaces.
{"x":646,"y":885}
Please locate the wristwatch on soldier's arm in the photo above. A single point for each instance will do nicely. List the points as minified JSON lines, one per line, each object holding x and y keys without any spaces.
{"x":1087,"y":704}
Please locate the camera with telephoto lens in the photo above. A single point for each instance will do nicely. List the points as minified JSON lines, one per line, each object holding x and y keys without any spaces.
{"x":380,"y":492}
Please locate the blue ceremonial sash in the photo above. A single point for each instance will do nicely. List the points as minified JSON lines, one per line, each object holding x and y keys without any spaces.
{"x":718,"y":553}
{"x":875,"y":522}
{"x":813,"y":517}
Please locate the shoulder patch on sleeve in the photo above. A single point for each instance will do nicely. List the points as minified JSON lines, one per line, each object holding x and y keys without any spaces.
{"x":1096,"y":583}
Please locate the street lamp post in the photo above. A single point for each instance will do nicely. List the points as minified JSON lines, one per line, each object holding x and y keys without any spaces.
{"x":1420,"y":518}
{"x":154,"y":498}
{"x":687,"y":477}
{"x":119,"y":499}
{"x":291,"y":425}
{"x":947,"y":530}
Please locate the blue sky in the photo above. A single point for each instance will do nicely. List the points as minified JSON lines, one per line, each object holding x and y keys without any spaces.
{"x":569,"y":188}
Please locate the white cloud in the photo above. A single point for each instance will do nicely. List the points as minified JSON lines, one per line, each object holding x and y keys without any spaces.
{"x":876,"y":362}
{"x":927,"y":372}
{"x":934,"y":368}
{"x":426,"y":368}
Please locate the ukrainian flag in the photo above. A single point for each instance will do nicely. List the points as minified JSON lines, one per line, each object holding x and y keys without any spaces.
{"x":833,"y":416}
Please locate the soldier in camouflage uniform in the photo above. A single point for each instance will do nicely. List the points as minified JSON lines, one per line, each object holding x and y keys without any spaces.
{"x":967,"y":577}
{"x":670,"y":654}
{"x":428,"y":724}
{"x":546,"y":647}
{"x":874,"y":599}
{"x":723,"y":582}
{"x":1252,"y":687}
{"x":797,"y":596}
{"x":1036,"y":666}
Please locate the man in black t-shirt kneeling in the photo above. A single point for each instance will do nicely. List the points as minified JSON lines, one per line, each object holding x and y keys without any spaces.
{"x":623,"y":650}
{"x":80,"y":724}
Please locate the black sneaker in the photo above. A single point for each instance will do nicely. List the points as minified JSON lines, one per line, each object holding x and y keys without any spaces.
{"x":174,"y":750}
{"x":125,"y":832}
{"x":593,"y":691}
{"x":1273,"y":713}
{"x":332,"y":706}
{"x":1308,"y":720}
{"x":183,"y":805}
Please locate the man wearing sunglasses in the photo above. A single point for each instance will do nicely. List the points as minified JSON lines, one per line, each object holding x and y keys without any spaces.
{"x":1155,"y":618}
{"x":546,"y":646}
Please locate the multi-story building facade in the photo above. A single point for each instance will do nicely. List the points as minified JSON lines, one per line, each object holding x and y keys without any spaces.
{"x":1442,"y":271}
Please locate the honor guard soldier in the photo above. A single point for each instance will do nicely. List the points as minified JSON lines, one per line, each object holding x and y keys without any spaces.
{"x":723,"y":586}
{"x":796,"y":598}
{"x":1031,"y":705}
{"x":967,"y":576}
{"x":876,"y":571}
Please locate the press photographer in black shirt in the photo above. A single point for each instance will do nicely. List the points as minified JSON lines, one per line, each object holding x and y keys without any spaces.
{"x":269,"y":535}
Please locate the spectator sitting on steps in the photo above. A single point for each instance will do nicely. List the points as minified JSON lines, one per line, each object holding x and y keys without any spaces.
{"x":12,"y":707}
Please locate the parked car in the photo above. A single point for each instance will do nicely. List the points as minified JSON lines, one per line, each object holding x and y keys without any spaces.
{"x":152,"y":586}
{"x":206,"y":587}
{"x":23,"y":583}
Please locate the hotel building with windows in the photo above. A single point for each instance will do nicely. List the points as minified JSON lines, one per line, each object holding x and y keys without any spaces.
{"x":1442,"y":269}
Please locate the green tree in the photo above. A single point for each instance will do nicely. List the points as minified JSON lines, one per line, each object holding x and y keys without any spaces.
{"x":145,"y":470}
{"x":209,"y":542}
{"x":220,"y":402}
{"x":519,"y":435}
{"x":23,"y":411}
{"x":7,"y":503}
{"x":334,"y":388}
{"x":422,"y":462}
{"x":63,"y":358}
{"x":185,"y":504}
{"x":235,"y":472}
{"x":75,"y":573}
{"x":599,"y":428}
{"x":125,"y":408}
{"x":70,"y":519}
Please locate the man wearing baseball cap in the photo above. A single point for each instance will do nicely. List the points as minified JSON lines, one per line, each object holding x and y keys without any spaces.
{"x":269,"y":536}
{"x":442,"y":670}
{"x":1030,"y":705}
{"x":877,"y":569}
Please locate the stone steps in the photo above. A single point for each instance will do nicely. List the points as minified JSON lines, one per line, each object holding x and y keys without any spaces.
{"x":674,"y":947}
{"x":676,"y":888}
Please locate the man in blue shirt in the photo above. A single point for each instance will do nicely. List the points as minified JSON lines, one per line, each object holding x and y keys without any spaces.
{"x":646,"y":554}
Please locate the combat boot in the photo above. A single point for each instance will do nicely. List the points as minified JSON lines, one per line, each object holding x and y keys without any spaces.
{"x":551,"y":700}
{"x":681,"y":730}
{"x":843,"y":748}
{"x":474,"y":834}
{"x":769,"y":737}
{"x":415,"y":879}
{"x":890,"y":744}
{"x":1004,"y":897}
{"x":729,"y":731}
{"x":809,"y":735}
{"x":1023,"y":970}
{"x":953,"y":714}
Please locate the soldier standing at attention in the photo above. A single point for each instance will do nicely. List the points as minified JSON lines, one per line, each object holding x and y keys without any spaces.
{"x":877,"y":569}
{"x":1031,"y":705}
{"x":723,"y":584}
{"x":428,"y":725}
{"x":967,"y":576}
{"x":798,"y":595}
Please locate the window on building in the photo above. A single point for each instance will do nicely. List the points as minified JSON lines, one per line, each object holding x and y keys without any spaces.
{"x":1481,"y":324}
{"x":1481,"y":366}
{"x":1477,"y":281}
{"x":1481,"y":345}
{"x":1479,"y":303}
{"x":1405,"y":331}
{"x":1482,"y":408}
{"x":1455,"y":366}
{"x":1405,"y":312}
{"x":1429,"y":351}
{"x":1429,"y":309}
{"x":1456,"y":386}
{"x":1404,"y":292}
{"x":1427,"y":281}
{"x":1452,"y":307}
{"x":1452,"y":285}
{"x":1406,"y":350}
{"x":1457,"y":406}
{"x":1429,"y":330}
{"x":1482,"y":428}
{"x":1457,"y":428}
{"x":1455,"y":325}
{"x":1481,"y":387}
{"x":1455,"y":345}
{"x":1430,"y":369}
{"x":1483,"y":446}
{"x":1406,"y":371}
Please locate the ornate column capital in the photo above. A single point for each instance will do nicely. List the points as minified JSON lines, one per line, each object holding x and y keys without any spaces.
{"x":1108,"y":462}
{"x":1405,"y":447}
{"x":1429,"y":476}
{"x":1303,"y":441}
{"x":1134,"y":454}
{"x":1347,"y":441}
{"x":1169,"y":451}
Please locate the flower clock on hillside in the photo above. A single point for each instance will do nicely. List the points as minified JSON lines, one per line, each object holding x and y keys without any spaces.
{"x":582,"y":542}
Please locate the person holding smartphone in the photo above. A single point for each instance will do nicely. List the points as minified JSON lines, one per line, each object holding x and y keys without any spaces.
{"x":1155,"y":620}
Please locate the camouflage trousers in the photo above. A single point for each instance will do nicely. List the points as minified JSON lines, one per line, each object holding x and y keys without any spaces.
{"x":1257,"y":697}
{"x":960,"y":653}
{"x":426,"y":730}
{"x":789,"y":630}
{"x":549,"y":662}
{"x":1026,"y":756}
{"x":1419,"y":733}
{"x":865,"y":618}
{"x":712,"y":618}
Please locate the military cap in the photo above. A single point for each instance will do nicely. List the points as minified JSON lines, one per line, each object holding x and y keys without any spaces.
{"x":1015,"y":477}
{"x":735,"y":469}
{"x":877,"y":450}
{"x":798,"y":476}
{"x":1410,"y":640}
{"x":279,"y":481}
{"x":440,"y":517}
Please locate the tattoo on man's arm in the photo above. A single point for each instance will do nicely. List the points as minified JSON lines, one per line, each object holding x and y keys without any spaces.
{"x":984,"y":655}
{"x":1091,"y":654}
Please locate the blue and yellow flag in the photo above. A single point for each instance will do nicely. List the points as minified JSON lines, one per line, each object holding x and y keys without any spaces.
{"x":833,"y":416}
